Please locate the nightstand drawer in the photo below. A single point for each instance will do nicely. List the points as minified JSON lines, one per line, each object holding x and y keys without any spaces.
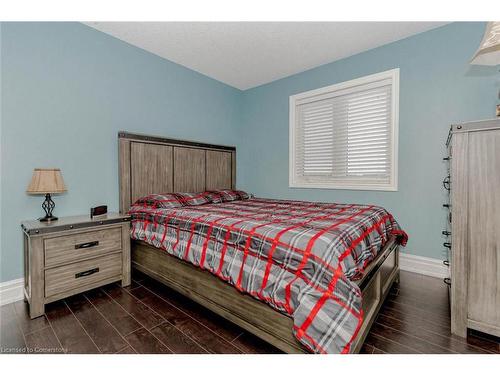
{"x":78,"y":275}
{"x":80,"y":246}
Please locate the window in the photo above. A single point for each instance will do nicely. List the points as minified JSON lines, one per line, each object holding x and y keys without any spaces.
{"x":345,"y":136}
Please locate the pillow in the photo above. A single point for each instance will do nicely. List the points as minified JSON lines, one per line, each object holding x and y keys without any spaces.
{"x":192,"y":199}
{"x":214,"y":196}
{"x":176,"y":200}
{"x":243,"y":194}
{"x":159,"y":201}
{"x":226,"y":195}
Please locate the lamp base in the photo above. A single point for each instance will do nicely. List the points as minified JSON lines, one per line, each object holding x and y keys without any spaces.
{"x":48,"y":219}
{"x":48,"y":206}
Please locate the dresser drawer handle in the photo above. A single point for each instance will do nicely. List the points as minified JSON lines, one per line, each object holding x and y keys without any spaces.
{"x":447,"y":281}
{"x":446,"y":183}
{"x":447,"y":245}
{"x":86,"y":273}
{"x":86,"y":245}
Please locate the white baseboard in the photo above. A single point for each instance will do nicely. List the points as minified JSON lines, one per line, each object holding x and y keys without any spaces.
{"x":422,"y":265}
{"x":11,"y":291}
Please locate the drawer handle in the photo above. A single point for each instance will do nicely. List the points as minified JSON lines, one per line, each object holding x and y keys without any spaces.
{"x":447,"y":245}
{"x":446,"y":263}
{"x":86,"y":273}
{"x":447,"y":281}
{"x":86,"y":245}
{"x":446,"y":183}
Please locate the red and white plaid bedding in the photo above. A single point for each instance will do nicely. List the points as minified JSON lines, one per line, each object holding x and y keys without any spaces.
{"x":299,"y":257}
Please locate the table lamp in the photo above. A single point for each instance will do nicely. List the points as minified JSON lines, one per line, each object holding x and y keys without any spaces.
{"x":46,"y":182}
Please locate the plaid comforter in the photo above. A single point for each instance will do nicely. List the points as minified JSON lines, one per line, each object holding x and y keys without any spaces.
{"x":299,"y":257}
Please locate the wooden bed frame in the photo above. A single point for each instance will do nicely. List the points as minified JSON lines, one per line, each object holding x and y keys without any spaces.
{"x":149,"y":164}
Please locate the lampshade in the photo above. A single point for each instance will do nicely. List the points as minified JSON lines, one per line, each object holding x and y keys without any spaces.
{"x":46,"y":181}
{"x":489,"y":49}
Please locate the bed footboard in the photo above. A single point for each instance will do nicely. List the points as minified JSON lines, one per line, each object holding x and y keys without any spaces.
{"x":252,"y":315}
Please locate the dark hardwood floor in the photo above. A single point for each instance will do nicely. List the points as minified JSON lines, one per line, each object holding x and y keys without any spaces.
{"x":147,"y":317}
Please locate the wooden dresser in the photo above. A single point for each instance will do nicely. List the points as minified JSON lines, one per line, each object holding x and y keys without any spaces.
{"x":474,"y":150}
{"x":72,"y":255}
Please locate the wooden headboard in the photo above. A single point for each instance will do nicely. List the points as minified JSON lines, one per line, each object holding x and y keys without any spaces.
{"x":149,"y":164}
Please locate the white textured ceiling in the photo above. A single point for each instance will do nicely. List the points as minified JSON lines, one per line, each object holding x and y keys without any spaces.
{"x":249,"y":54}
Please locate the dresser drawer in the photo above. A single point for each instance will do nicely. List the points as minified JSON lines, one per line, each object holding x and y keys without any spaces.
{"x":75,"y":247}
{"x":78,"y":275}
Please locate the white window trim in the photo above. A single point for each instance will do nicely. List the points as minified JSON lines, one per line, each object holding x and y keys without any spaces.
{"x":393,"y":184}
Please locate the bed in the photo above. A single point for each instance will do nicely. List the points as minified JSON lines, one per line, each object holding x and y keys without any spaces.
{"x":281,"y":278}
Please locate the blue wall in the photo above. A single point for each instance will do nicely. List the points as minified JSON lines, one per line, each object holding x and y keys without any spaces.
{"x":437,"y":87}
{"x":67,"y":91}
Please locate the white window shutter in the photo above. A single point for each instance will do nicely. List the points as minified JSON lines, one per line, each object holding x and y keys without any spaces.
{"x":345,"y":136}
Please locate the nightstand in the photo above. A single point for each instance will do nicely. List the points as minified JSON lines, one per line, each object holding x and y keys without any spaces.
{"x":72,"y":255}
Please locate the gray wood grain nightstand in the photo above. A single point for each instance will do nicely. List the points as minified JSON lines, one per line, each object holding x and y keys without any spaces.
{"x":72,"y":255}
